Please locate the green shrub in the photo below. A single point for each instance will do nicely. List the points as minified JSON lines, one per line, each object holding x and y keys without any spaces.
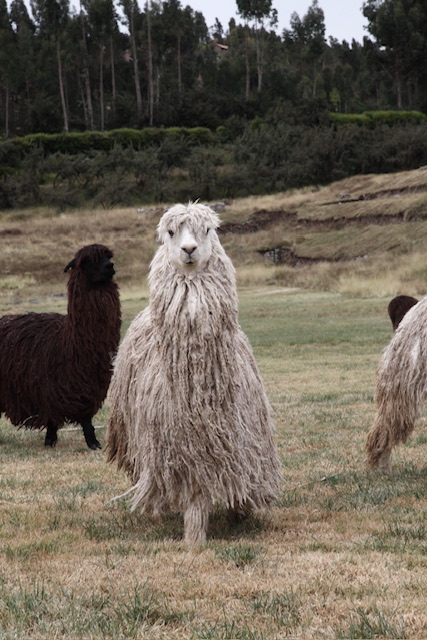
{"x":200,"y":135}
{"x":137,"y":138}
{"x":372,"y":119}
{"x":360,"y":119}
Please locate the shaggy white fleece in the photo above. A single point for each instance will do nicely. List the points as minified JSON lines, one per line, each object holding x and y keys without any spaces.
{"x":401,"y":386}
{"x":190,"y":420}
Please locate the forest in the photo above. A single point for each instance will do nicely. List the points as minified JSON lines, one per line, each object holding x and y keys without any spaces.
{"x":266,"y":97}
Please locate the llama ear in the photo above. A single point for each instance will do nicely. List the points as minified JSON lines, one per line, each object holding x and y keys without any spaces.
{"x":70,"y":265}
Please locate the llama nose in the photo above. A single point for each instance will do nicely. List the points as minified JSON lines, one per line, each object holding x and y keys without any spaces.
{"x":189,"y":248}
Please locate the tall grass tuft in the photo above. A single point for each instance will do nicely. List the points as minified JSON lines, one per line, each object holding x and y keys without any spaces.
{"x":284,"y":608}
{"x":372,"y":623}
{"x":239,"y":554}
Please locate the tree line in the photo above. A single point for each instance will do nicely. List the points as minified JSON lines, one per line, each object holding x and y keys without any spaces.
{"x":138,"y":167}
{"x":112,"y":63}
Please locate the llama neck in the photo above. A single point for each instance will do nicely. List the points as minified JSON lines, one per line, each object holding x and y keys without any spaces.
{"x":202,"y":306}
{"x":196,"y":328}
{"x":94,"y":314}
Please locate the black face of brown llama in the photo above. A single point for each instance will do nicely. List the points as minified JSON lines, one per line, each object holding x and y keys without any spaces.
{"x":96,"y":265}
{"x":55,"y":368}
{"x":398,"y":308}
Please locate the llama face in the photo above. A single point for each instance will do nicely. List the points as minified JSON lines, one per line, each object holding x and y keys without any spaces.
{"x":95,"y":262}
{"x":99,"y":272}
{"x":189,"y":248}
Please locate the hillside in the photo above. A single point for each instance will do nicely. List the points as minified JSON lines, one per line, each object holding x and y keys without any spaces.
{"x":360,"y":236}
{"x":343,"y":551}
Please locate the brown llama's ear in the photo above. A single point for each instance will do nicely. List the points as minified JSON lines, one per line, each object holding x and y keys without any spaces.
{"x":70,"y":265}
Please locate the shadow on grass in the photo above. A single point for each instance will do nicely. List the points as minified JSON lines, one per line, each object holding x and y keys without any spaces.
{"x":117,"y":522}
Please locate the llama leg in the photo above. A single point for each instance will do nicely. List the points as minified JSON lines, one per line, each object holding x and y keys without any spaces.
{"x":236,"y":515}
{"x":51,"y":434}
{"x":89,"y":434}
{"x":397,"y":411}
{"x":196,"y":519}
{"x":378,"y":447}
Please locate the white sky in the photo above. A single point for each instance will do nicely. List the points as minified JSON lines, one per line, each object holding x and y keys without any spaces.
{"x":343,"y":20}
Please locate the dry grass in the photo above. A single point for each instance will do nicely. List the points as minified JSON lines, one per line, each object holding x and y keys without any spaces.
{"x":36,"y":250}
{"x":37,"y":245}
{"x":343,"y":552}
{"x":341,"y":555}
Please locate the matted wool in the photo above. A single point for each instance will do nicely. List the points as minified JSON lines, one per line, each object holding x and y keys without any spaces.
{"x":190,"y":420}
{"x":401,"y":386}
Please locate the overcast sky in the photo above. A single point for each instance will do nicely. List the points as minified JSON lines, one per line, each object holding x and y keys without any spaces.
{"x":343,"y":20}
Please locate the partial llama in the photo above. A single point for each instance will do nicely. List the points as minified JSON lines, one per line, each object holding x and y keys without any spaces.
{"x":190,"y":421}
{"x":398,"y":307}
{"x":56,"y":368}
{"x":401,"y":386}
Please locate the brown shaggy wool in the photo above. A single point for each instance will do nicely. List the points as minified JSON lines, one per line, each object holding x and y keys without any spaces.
{"x":190,"y":421}
{"x":398,"y":307}
{"x":401,"y":386}
{"x":56,"y":368}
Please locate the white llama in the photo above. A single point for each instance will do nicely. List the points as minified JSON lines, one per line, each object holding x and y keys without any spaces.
{"x":190,"y":420}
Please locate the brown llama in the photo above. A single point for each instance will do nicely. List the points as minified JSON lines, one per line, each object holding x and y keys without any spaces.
{"x":56,"y":368}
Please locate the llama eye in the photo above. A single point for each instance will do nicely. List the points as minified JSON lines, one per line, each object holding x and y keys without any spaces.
{"x":170,"y":233}
{"x":207,"y":231}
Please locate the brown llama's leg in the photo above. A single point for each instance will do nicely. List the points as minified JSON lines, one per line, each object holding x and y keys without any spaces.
{"x":51,"y":437}
{"x":236,"y":515}
{"x":89,"y":434}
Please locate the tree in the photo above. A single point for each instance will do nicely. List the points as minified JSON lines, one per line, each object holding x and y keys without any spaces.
{"x":7,"y":47}
{"x":102,"y":19}
{"x":258,"y":11}
{"x":131,"y":11}
{"x":23,"y":61}
{"x":399,"y":28}
{"x":51,"y":17}
{"x":150,"y":90}
{"x":306,"y":40}
{"x":172,"y":20}
{"x":87,"y":100}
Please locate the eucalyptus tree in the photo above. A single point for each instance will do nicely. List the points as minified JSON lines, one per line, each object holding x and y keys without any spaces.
{"x":7,"y":49}
{"x":102,"y":21}
{"x":173,"y":26}
{"x":259,"y":12}
{"x":133,"y":18}
{"x":180,"y":45}
{"x":399,"y":28}
{"x":80,"y":42}
{"x":306,"y":44}
{"x":234,"y":66}
{"x":23,"y":58}
{"x":150,"y":89}
{"x":51,"y":18}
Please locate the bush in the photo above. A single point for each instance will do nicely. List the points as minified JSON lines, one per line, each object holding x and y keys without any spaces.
{"x":128,"y":166}
{"x":373,"y":119}
{"x":359,"y":119}
{"x":200,"y":136}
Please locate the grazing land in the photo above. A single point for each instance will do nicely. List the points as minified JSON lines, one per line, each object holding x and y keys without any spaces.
{"x":343,"y":553}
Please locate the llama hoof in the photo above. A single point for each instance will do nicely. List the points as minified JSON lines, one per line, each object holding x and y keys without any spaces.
{"x":50,"y":442}
{"x":383,"y":463}
{"x":94,"y":445}
{"x":380,"y":461}
{"x":237,"y":516}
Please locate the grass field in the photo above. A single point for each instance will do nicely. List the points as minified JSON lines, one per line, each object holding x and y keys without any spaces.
{"x":343,"y":553}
